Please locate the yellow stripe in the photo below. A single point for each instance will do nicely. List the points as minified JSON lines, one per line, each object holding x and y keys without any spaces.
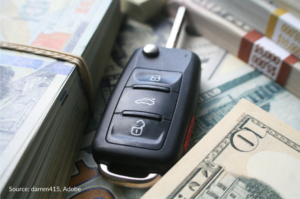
{"x":273,"y":21}
{"x":279,"y":12}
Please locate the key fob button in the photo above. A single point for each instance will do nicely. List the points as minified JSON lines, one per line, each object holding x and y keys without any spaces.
{"x":137,"y":132}
{"x":156,"y":77}
{"x":161,"y":103}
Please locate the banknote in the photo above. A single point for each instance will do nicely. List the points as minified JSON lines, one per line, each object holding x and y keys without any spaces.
{"x":24,"y":81}
{"x":34,"y":87}
{"x":215,"y":103}
{"x":59,"y":25}
{"x":248,"y":154}
{"x":28,"y":85}
{"x":49,"y":161}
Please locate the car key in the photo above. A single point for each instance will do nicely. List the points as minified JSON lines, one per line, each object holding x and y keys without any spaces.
{"x":148,"y":121}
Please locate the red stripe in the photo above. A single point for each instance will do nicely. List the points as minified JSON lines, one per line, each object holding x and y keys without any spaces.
{"x":247,"y":44}
{"x":189,"y":133}
{"x":285,"y":69}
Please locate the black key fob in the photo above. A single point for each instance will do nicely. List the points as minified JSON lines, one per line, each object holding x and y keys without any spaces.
{"x":149,"y":118}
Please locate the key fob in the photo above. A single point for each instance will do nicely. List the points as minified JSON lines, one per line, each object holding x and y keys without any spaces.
{"x":149,"y":118}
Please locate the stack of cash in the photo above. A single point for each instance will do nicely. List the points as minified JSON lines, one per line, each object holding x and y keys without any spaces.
{"x":239,"y":38}
{"x":43,"y":105}
{"x":268,"y":18}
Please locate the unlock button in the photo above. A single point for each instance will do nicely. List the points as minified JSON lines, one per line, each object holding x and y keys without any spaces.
{"x":137,"y":131}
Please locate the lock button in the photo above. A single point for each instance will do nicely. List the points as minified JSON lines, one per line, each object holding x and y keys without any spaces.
{"x":137,"y":131}
{"x":167,"y":79}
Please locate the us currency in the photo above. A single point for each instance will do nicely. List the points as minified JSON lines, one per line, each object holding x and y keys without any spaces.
{"x":39,"y":23}
{"x":220,"y":94}
{"x":34,"y":87}
{"x":26,"y":81}
{"x":133,"y":34}
{"x":248,"y":154}
{"x":28,"y":86}
{"x":230,"y":32}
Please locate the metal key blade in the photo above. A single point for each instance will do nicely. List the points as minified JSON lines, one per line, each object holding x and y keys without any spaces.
{"x":176,"y":27}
